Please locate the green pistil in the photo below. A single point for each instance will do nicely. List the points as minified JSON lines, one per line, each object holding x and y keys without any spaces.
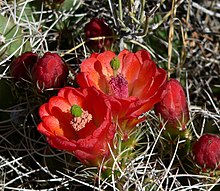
{"x":115,"y":65}
{"x":76,"y":111}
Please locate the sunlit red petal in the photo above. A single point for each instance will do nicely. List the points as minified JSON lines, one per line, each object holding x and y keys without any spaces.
{"x":130,"y":69}
{"x":44,"y":110}
{"x":122,"y":54}
{"x":93,"y":73}
{"x":88,"y":65}
{"x":142,"y":56}
{"x":44,"y":129}
{"x":105,"y":58}
{"x":158,"y":81}
{"x":58,"y":127}
{"x":72,"y":95}
{"x":94,"y":55}
{"x":144,"y":80}
{"x":57,"y":103}
{"x":51,"y":124}
{"x":84,"y":81}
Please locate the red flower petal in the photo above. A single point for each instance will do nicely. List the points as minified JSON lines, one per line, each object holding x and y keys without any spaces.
{"x":158,"y":81}
{"x":58,"y":127}
{"x":44,"y":110}
{"x":62,"y":144}
{"x":72,"y":95}
{"x":97,"y":68}
{"x":130,"y":63}
{"x":59,"y":104}
{"x":97,"y":78}
{"x":143,"y":82}
{"x":142,"y":56}
{"x":105,"y":59}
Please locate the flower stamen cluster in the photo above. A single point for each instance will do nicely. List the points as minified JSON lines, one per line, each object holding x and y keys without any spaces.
{"x":79,"y":123}
{"x":118,"y":86}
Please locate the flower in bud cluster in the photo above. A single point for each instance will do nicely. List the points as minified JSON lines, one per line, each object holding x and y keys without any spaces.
{"x":21,"y":67}
{"x":206,"y":152}
{"x":173,"y":107}
{"x":49,"y":72}
{"x":98,"y":28}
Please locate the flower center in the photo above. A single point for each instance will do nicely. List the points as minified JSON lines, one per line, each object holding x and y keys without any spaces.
{"x":80,"y":117}
{"x":118,"y":86}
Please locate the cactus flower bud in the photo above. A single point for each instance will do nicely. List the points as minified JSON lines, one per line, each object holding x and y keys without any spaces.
{"x":206,"y":152}
{"x":49,"y":72}
{"x":21,"y":67}
{"x":98,"y":28}
{"x":173,"y":107}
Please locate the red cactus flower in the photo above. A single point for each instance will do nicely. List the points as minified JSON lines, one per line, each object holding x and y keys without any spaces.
{"x":22,"y":65}
{"x":132,"y":81}
{"x":98,"y":28}
{"x":49,"y":72}
{"x":79,"y":121}
{"x":207,"y":152}
{"x":173,"y":107}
